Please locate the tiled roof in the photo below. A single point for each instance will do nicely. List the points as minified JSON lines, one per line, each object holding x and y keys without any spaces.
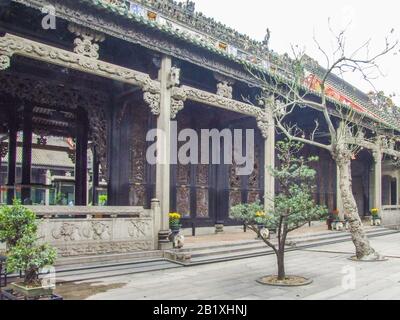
{"x":181,"y":21}
{"x":48,"y":158}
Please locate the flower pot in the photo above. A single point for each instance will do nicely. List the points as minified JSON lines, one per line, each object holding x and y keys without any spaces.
{"x":31,"y":292}
{"x":10,"y":294}
{"x":339,"y":226}
{"x":377,"y":222}
{"x":175,"y":229}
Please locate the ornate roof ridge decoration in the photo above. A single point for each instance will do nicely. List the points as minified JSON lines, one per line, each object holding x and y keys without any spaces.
{"x":171,"y":17}
{"x":201,"y":31}
{"x":185,"y":13}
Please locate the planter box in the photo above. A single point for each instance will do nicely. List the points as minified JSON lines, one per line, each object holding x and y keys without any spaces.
{"x":9,"y":294}
{"x":31,"y":292}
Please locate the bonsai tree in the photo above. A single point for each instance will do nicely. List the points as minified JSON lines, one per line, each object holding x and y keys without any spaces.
{"x":292,"y":208}
{"x":30,"y":257}
{"x":18,"y":228}
{"x":16,"y":221}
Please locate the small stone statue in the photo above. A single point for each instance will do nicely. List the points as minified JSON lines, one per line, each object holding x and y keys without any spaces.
{"x":267,"y":39}
{"x":265,"y":234}
{"x":179,"y":241}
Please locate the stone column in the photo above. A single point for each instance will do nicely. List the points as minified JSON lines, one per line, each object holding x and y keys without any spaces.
{"x":377,"y":188}
{"x":164,"y":153}
{"x":269,"y":151}
{"x":27,"y":156}
{"x":47,"y":192}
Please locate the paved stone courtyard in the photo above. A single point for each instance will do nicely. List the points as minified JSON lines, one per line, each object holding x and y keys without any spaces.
{"x":328,"y":266}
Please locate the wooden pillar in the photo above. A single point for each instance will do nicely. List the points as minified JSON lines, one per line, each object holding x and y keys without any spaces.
{"x":81,"y":158}
{"x":269,"y":158}
{"x":164,"y":153}
{"x":95,"y":179}
{"x":12,"y":159}
{"x":27,"y":156}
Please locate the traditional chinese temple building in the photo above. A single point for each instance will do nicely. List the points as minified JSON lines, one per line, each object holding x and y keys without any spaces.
{"x":102,"y":73}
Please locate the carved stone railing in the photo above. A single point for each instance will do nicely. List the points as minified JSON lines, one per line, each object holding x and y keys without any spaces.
{"x":391,"y":216}
{"x":81,"y":231}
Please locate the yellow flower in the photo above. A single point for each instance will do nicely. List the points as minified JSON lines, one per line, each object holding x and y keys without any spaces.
{"x":260,"y":214}
{"x":174,"y":216}
{"x":374,"y":211}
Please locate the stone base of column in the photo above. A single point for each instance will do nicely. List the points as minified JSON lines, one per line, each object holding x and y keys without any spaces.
{"x":163,"y":240}
{"x":219,"y":228}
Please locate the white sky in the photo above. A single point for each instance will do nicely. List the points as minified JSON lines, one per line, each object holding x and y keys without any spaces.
{"x":294,"y":22}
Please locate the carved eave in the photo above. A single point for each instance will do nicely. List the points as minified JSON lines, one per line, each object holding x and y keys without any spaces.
{"x":215,"y":100}
{"x":11,"y":45}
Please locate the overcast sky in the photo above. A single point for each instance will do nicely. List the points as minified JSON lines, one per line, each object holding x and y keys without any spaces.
{"x":295,"y":22}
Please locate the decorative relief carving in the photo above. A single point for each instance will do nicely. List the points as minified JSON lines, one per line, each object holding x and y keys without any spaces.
{"x":183,"y":201}
{"x":4,"y":62}
{"x":153,"y":101}
{"x":202,"y":203}
{"x":43,"y":92}
{"x":225,"y":103}
{"x":104,"y":248}
{"x":98,"y":132}
{"x":224,"y":90}
{"x":3,"y":150}
{"x":85,"y":44}
{"x":139,"y":229}
{"x":11,"y":44}
{"x":96,"y":236}
{"x":224,"y":86}
{"x":174,"y":77}
{"x":176,"y":106}
{"x":138,"y":176}
{"x":66,"y":232}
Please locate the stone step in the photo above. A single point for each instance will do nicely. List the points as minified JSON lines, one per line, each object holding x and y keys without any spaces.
{"x":248,"y":249}
{"x":108,"y":258}
{"x":249,"y":244}
{"x":101,"y":271}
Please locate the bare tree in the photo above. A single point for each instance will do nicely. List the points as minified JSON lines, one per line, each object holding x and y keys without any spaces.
{"x":295,"y":85}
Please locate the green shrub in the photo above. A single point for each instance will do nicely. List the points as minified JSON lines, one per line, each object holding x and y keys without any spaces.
{"x":15,"y":222}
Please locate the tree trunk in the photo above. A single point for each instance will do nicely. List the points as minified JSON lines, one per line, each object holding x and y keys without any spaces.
{"x":31,"y":276}
{"x":364,"y":251}
{"x":281,"y":265}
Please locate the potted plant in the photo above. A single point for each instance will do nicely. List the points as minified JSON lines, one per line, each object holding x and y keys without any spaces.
{"x":18,"y":229}
{"x":259,"y":219}
{"x":175,"y":226}
{"x":333,"y":219}
{"x":375,"y":218}
{"x":31,"y":257}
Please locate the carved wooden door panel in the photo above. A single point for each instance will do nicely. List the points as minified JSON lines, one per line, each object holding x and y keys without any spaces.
{"x":246,"y":188}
